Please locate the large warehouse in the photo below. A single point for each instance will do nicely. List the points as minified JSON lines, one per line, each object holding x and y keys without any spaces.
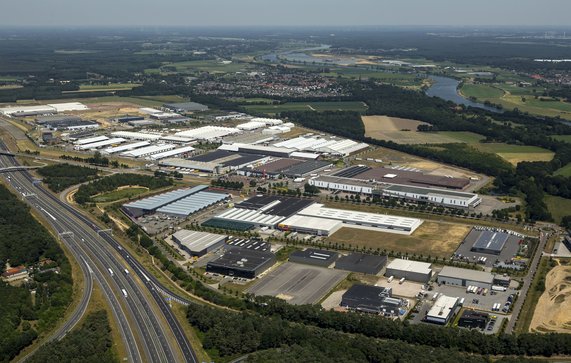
{"x":363,"y":263}
{"x":198,"y":243}
{"x":447,"y":198}
{"x":490,"y":242}
{"x":193,"y":203}
{"x":464,"y":277}
{"x":443,"y":310}
{"x":151,"y":204}
{"x":310,"y":225}
{"x":410,"y":270}
{"x":241,"y":262}
{"x":384,"y":223}
{"x":314,"y":257}
{"x":372,"y":299}
{"x":185,"y":107}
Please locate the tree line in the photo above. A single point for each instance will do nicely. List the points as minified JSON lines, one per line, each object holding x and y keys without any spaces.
{"x":58,"y":177}
{"x":85,"y":192}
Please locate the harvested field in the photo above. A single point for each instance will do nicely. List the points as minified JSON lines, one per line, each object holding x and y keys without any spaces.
{"x":552,"y":313}
{"x":431,"y":238}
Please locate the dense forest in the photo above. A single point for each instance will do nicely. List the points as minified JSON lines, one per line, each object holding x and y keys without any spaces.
{"x":25,"y":241}
{"x":90,"y":343}
{"x":58,"y":177}
{"x":112,"y":182}
{"x":227,"y":334}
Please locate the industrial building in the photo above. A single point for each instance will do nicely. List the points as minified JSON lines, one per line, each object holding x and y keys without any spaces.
{"x":90,"y":140}
{"x":148,"y":150}
{"x":127,"y":147}
{"x":385,"y":223}
{"x":273,"y":169}
{"x":241,"y":262}
{"x":198,"y":243}
{"x":314,"y":257}
{"x":251,"y":125}
{"x":68,"y":106}
{"x":446,"y":198}
{"x":472,"y":319}
{"x":491,"y":242}
{"x":216,"y":162}
{"x":151,"y":204}
{"x":171,"y":139}
{"x":249,"y":216}
{"x":193,"y":203}
{"x":464,"y":277}
{"x":23,"y":111}
{"x":273,"y":204}
{"x":63,"y":122}
{"x":136,"y":135}
{"x":443,"y":310}
{"x":310,"y":225}
{"x":332,"y":146}
{"x":362,"y":263}
{"x":372,"y":299}
{"x":410,"y":270}
{"x":208,"y":132}
{"x":258,"y":149}
{"x":170,"y":153}
{"x":251,"y":244}
{"x":343,"y":184}
{"x":185,"y":107}
{"x":98,"y":144}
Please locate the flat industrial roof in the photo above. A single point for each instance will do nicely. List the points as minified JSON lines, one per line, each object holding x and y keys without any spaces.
{"x":276,"y":166}
{"x":465,"y":274}
{"x":95,"y":145}
{"x":186,"y":106}
{"x":157,"y":201}
{"x":197,"y":241}
{"x":356,"y":217}
{"x":148,"y":150}
{"x":306,"y":167}
{"x":250,"y":216}
{"x":431,"y":191}
{"x":208,"y":132}
{"x":317,"y":255}
{"x":410,"y":177}
{"x":126,"y":147}
{"x":362,"y":259}
{"x":242,"y":259}
{"x":410,"y":266}
{"x":490,"y":240}
{"x":443,"y":307}
{"x":173,"y":152}
{"x":136,"y":135}
{"x":273,"y":204}
{"x":314,"y":223}
{"x":193,"y":203}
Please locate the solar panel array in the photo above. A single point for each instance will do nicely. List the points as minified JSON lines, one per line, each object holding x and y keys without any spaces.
{"x":352,"y":171}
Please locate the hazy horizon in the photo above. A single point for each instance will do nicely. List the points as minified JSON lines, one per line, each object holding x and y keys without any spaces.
{"x":259,"y":13}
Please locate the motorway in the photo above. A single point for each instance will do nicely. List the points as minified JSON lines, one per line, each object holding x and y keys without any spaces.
{"x":145,"y":320}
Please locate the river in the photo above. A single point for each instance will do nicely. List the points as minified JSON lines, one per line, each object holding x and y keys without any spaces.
{"x":447,"y":88}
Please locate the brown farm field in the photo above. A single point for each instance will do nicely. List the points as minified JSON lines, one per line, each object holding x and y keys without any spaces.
{"x":431,"y":238}
{"x":553,"y":311}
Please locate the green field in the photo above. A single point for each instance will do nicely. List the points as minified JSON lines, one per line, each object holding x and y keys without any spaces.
{"x":559,"y":207}
{"x":107,"y":87}
{"x":481,"y":91}
{"x":125,"y":193}
{"x":251,"y":100}
{"x":565,"y":138}
{"x":564,"y":171}
{"x":310,"y":106}
{"x":462,"y":136}
{"x":515,"y":153}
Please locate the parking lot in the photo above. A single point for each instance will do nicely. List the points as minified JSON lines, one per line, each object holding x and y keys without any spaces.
{"x":464,"y":249}
{"x":475,"y":301}
{"x":298,"y":284}
{"x":408,"y":289}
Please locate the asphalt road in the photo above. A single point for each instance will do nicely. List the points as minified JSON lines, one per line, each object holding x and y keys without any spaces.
{"x":140,"y":317}
{"x":527,"y":283}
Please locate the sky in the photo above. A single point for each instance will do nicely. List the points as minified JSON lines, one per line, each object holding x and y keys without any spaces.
{"x":284,"y":12}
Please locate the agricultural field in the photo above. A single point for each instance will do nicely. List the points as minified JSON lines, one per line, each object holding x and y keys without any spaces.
{"x":309,"y":106}
{"x":515,"y":153}
{"x":564,"y":138}
{"x":120,"y":193}
{"x":108,"y":87}
{"x":431,"y":238}
{"x":558,"y":206}
{"x":403,"y":131}
{"x":552,"y":311}
{"x":564,"y":171}
{"x":511,"y":96}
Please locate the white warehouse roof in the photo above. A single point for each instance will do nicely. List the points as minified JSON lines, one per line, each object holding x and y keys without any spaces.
{"x":170,"y":153}
{"x":9,"y":111}
{"x":192,"y":204}
{"x":311,"y":223}
{"x":442,"y":308}
{"x":250,"y":216}
{"x":208,"y":132}
{"x":99,"y":144}
{"x":197,"y":241}
{"x":136,"y":135}
{"x":131,"y":146}
{"x":149,"y":150}
{"x":268,"y":121}
{"x":90,"y":140}
{"x":69,"y":106}
{"x":149,"y":111}
{"x":385,"y":222}
{"x":410,"y":266}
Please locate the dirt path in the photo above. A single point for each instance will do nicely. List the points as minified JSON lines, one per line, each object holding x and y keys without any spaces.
{"x":553,"y":311}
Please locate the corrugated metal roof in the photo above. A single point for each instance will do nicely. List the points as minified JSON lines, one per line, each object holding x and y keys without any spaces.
{"x":157,"y":201}
{"x":192,"y":203}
